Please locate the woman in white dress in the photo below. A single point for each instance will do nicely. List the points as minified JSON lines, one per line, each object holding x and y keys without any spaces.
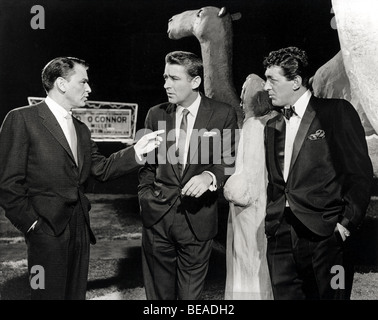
{"x":247,"y":270}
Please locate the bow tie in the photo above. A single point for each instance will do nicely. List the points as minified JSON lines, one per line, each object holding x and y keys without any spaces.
{"x":288,"y":112}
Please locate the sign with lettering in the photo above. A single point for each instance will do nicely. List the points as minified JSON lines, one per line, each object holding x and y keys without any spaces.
{"x":115,"y":123}
{"x":107,"y":121}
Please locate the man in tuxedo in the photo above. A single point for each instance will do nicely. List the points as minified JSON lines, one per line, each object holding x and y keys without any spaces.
{"x":178,"y":188}
{"x":46,"y":157}
{"x":320,"y":176}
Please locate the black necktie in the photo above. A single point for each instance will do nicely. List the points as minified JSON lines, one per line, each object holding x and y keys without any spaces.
{"x":288,"y":112}
{"x":180,"y":150}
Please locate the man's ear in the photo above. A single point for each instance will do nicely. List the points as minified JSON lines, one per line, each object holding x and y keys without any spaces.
{"x":196,"y":81}
{"x":60,"y":83}
{"x":297,"y":83}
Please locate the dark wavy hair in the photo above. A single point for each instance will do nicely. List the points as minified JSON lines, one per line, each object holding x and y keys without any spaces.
{"x":293,"y":61}
{"x":190,"y":61}
{"x":59,"y":67}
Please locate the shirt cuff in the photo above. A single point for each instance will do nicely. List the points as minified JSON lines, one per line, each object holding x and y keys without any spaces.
{"x":137,"y":154}
{"x":213,"y":186}
{"x":32,"y":226}
{"x":344,"y":232}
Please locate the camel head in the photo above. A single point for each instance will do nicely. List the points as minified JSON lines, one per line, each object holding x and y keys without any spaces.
{"x":207,"y":23}
{"x":213,"y":29}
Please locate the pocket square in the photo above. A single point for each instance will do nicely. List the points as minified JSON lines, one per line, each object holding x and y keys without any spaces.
{"x":319,"y":134}
{"x":209,"y":134}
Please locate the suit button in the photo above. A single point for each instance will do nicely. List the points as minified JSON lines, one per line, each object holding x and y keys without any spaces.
{"x":169,"y":203}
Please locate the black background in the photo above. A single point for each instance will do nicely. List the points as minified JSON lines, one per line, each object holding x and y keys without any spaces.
{"x":125,"y":42}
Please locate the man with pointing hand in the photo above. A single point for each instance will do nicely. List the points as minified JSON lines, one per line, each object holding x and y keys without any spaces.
{"x":46,"y":158}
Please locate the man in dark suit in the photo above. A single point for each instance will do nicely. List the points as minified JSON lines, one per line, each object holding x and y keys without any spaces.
{"x":46,"y":157}
{"x":179,"y":186}
{"x":320,"y":176}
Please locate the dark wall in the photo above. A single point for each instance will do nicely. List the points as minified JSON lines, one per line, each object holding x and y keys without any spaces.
{"x":125,"y":42}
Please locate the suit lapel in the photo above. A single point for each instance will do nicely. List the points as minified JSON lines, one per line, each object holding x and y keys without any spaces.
{"x":52,"y":125}
{"x":275,"y":128}
{"x":304,"y":126}
{"x":171,"y":133}
{"x":80,"y":143}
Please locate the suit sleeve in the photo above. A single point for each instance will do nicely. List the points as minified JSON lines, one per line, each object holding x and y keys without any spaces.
{"x":14,"y":146}
{"x":116,"y":165}
{"x":226,"y":167}
{"x":356,"y":165}
{"x":147,"y":173}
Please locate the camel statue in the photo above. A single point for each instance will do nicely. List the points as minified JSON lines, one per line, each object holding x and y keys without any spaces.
{"x":213,"y":29}
{"x":331,"y":81}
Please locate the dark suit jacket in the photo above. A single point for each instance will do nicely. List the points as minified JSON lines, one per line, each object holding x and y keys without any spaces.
{"x":159,"y":180}
{"x":330,"y":173}
{"x":38,"y":174}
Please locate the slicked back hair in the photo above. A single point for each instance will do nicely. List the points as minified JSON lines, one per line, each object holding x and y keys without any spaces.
{"x":59,"y":67}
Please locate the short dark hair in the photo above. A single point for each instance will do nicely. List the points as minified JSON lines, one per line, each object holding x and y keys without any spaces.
{"x":190,"y":61}
{"x":59,"y":67}
{"x":293,"y":61}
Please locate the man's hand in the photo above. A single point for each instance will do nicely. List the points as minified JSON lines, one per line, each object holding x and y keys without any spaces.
{"x":148,"y":142}
{"x":197,"y":185}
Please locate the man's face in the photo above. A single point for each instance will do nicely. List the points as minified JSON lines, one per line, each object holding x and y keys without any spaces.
{"x":77,"y":87}
{"x":279,"y":88}
{"x":179,"y":85}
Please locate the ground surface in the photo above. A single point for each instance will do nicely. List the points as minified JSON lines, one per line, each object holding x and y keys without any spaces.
{"x":115,"y":265}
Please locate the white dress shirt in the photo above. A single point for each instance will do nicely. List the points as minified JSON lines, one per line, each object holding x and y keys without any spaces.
{"x":192,"y":115}
{"x":60,"y":114}
{"x":292,"y":126}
